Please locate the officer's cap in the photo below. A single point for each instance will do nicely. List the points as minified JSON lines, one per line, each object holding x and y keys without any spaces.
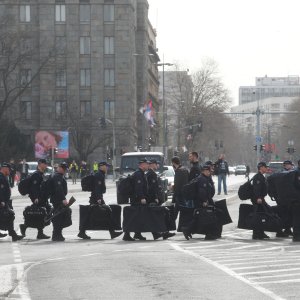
{"x":5,"y":165}
{"x":153,"y":161}
{"x":143,"y":160}
{"x":63,"y":165}
{"x":287,"y":162}
{"x":262,"y":164}
{"x":103,"y":163}
{"x":205,"y":167}
{"x":209,"y":163}
{"x":42,"y":161}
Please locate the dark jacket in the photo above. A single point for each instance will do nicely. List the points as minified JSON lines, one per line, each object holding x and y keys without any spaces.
{"x":221,"y":167}
{"x":153,"y":186}
{"x":99,"y":187}
{"x":259,"y":187}
{"x":36,"y":180}
{"x":140,"y":187}
{"x":20,"y":168}
{"x":180,"y":179}
{"x":5,"y":191}
{"x":205,"y":191}
{"x":59,"y":189}
{"x":195,"y":170}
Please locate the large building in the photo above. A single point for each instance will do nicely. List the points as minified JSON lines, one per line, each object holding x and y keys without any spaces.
{"x":268,"y":87}
{"x":104,"y":67}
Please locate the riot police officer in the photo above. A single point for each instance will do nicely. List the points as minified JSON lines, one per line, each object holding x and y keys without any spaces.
{"x":58,"y":199}
{"x":5,"y":202}
{"x":258,"y":199}
{"x":195,"y":170}
{"x":140,"y":194}
{"x":99,"y":188}
{"x":36,"y":195}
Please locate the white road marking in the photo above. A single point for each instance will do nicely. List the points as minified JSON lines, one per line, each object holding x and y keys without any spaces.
{"x":266,"y":266}
{"x":265,"y":261}
{"x":274,"y":276}
{"x":271,"y":271}
{"x":279,"y":281}
{"x":229,"y":272}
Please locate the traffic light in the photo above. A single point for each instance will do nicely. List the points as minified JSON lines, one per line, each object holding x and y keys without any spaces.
{"x":262,"y":148}
{"x":290,"y":150}
{"x":255,"y":147}
{"x":55,"y":150}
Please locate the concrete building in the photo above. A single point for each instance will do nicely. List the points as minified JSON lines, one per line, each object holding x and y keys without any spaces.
{"x":268,"y":87}
{"x":104,"y":67}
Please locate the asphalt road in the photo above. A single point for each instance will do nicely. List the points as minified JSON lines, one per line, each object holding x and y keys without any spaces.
{"x":233,"y":267}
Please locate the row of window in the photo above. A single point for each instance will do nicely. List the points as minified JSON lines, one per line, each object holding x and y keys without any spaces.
{"x":61,"y":78}
{"x":85,"y":45}
{"x":60,"y":13}
{"x":61,"y":109}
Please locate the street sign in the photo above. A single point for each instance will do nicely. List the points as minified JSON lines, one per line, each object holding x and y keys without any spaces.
{"x":258,"y":139}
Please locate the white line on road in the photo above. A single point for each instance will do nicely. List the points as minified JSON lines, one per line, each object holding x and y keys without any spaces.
{"x":203,"y":246}
{"x":271,"y":271}
{"x":265,"y":261}
{"x":266,"y":266}
{"x":279,"y":281}
{"x":274,"y":276}
{"x":229,"y":272}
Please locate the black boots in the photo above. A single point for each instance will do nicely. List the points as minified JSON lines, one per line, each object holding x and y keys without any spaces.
{"x":138,"y":236}
{"x":41,"y":235}
{"x":83,"y":235}
{"x":14,"y":236}
{"x":23,"y":229}
{"x":127,"y":237}
{"x":114,"y":234}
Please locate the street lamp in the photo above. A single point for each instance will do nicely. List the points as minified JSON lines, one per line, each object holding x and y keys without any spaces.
{"x":165,"y":142}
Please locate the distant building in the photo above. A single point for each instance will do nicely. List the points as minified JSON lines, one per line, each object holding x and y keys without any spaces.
{"x":105,"y":68}
{"x":268,"y":87}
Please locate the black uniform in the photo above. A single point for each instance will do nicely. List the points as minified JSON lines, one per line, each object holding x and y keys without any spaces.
{"x":5,"y":194}
{"x":153,"y":186}
{"x":36,"y":191}
{"x":140,"y":187}
{"x":195,"y":170}
{"x":259,"y":192}
{"x":59,"y":190}
{"x":99,"y":188}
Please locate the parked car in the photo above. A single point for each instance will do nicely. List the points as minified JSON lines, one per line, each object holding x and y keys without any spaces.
{"x":33,"y":166}
{"x":275,"y":167}
{"x":231,"y":169}
{"x":240,"y":170}
{"x":169,"y":174}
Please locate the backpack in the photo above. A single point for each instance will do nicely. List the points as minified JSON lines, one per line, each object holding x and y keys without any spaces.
{"x":87,"y":183}
{"x":126,"y":187}
{"x":24,"y":186}
{"x":47,"y":188}
{"x":189,"y":190}
{"x":272,"y":190}
{"x":245,"y":191}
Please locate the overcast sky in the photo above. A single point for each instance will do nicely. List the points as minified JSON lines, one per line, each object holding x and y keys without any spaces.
{"x":247,"y":38}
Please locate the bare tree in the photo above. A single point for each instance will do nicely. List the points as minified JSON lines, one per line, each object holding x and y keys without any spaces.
{"x":17,"y":51}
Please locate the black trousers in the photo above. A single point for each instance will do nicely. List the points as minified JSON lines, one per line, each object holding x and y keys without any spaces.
{"x":296,"y":219}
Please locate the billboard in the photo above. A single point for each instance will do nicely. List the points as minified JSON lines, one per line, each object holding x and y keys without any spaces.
{"x":46,"y":140}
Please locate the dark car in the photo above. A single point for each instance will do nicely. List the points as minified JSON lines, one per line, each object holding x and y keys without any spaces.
{"x":275,"y":167}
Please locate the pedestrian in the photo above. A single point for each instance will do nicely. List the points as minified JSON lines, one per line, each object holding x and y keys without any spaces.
{"x":59,"y":190}
{"x":181,"y":178}
{"x":204,"y":198}
{"x":258,"y":199}
{"x":23,"y":169}
{"x":96,"y":198}
{"x":83,"y":169}
{"x":6,"y":204}
{"x":73,"y":171}
{"x":195,"y":169}
{"x":12,"y":174}
{"x":247,"y":171}
{"x":153,"y":191}
{"x":222,"y":170}
{"x":36,"y":195}
{"x":139,"y":197}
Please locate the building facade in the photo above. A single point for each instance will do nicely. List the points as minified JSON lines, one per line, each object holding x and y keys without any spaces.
{"x":94,"y":74}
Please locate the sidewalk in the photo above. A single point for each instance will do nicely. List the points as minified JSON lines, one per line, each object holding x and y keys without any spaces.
{"x":71,"y":188}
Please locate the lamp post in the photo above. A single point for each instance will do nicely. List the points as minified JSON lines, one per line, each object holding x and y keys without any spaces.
{"x":114,"y":147}
{"x":165,"y":141}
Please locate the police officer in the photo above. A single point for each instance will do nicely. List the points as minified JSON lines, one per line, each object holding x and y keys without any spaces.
{"x":140,"y":194}
{"x":204,"y":195}
{"x":153,"y":191}
{"x":195,"y":170}
{"x":5,"y":202}
{"x":36,"y":196}
{"x":99,"y":188}
{"x":258,"y":199}
{"x":59,"y":190}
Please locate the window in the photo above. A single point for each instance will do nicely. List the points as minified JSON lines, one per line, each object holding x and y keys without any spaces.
{"x":25,"y":77}
{"x":109,"y":109}
{"x":85,"y":45}
{"x":109,"y":13}
{"x":60,"y":109}
{"x":61,"y":78}
{"x":26,"y":110}
{"x":109,"y":77}
{"x":109,"y":47}
{"x":24,"y":13}
{"x":60,"y":44}
{"x":85,"y":13}
{"x":85,"y":109}
{"x":60,"y":13}
{"x":85,"y":77}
